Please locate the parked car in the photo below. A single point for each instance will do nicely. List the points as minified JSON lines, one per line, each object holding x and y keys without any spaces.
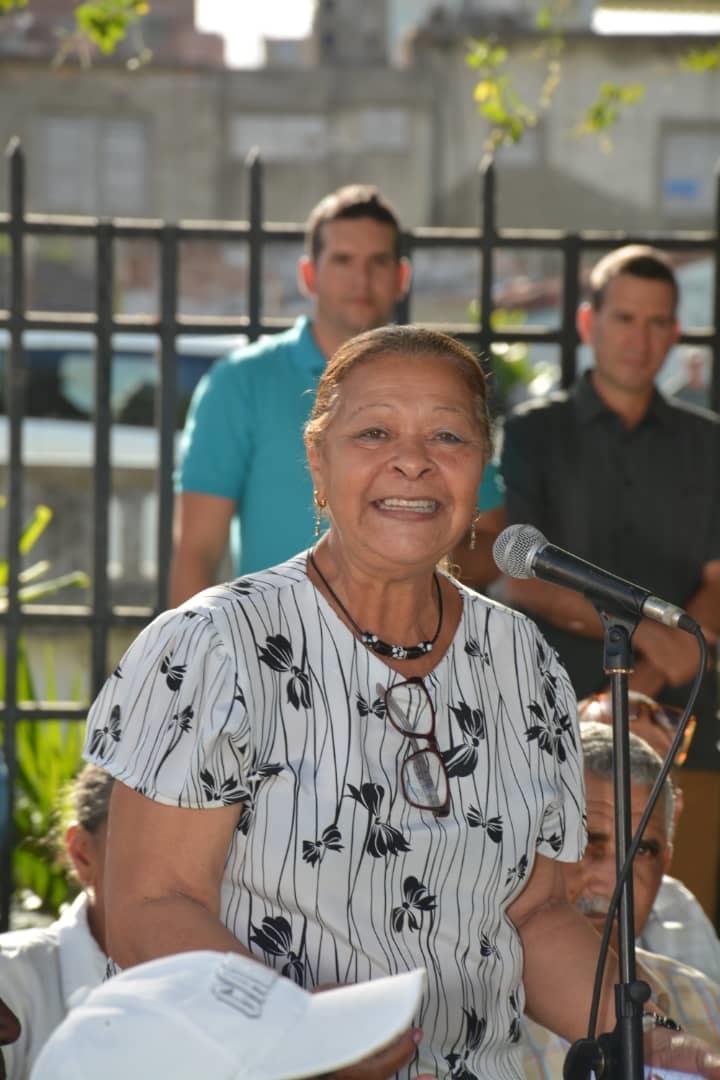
{"x":59,"y":395}
{"x":58,"y":445}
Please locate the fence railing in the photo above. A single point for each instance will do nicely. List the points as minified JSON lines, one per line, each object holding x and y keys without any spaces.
{"x":100,"y":616}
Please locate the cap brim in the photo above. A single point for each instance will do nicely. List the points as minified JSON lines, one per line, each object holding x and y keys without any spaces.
{"x":347,"y":1024}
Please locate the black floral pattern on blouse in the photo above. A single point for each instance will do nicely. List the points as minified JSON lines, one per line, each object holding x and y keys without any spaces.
{"x":517,"y":873}
{"x":275,"y":937}
{"x":416,"y":899}
{"x":248,"y":793}
{"x":174,"y":674}
{"x":474,"y":648}
{"x":462,"y":760}
{"x":514,"y":1031}
{"x":278,"y":655}
{"x":330,"y":840}
{"x":475,"y":1028}
{"x":487,"y":947}
{"x":228,"y":790}
{"x":365,"y":708}
{"x":110,"y":732}
{"x":242,"y":586}
{"x":545,"y":659}
{"x":554,"y":841}
{"x":178,"y":725}
{"x":382,"y":838}
{"x":550,"y":731}
{"x":492,"y":825}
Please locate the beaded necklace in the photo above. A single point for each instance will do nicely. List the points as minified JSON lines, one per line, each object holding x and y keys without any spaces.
{"x":372,"y":641}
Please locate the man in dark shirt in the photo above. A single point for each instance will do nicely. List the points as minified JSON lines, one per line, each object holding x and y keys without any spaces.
{"x":621,"y":476}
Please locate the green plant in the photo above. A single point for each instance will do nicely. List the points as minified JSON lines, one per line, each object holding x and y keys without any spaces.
{"x":48,"y":755}
{"x":47,"y":752}
{"x":510,"y":116}
{"x":32,"y":585}
{"x":99,"y":24}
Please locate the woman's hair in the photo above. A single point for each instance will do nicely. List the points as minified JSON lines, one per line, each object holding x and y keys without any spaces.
{"x":406,"y":341}
{"x":89,"y":797}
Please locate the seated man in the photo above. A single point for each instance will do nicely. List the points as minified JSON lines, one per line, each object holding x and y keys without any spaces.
{"x":677,"y":926}
{"x":40,"y":969}
{"x":693,"y":1000}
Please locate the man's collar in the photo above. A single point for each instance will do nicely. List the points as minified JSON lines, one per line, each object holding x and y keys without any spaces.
{"x":308,"y":354}
{"x":589,"y":405}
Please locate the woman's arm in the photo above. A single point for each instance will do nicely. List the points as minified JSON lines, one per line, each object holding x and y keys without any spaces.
{"x":163,"y":871}
{"x":561,"y":950}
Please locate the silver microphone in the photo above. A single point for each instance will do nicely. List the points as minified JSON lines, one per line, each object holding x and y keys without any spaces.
{"x":521,"y":551}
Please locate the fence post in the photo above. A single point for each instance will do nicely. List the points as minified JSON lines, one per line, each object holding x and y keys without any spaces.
{"x":571,"y":287}
{"x":487,"y":244}
{"x":255,"y":242}
{"x":14,"y":396}
{"x":104,"y":277}
{"x":168,"y":397}
{"x":715,"y":370}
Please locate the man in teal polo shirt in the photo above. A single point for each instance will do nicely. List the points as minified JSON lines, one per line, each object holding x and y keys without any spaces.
{"x":243,"y":468}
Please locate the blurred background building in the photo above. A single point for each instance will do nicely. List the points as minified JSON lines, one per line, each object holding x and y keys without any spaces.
{"x":379,"y":92}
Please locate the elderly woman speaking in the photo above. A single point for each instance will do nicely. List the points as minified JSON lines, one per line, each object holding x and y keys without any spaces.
{"x":350,"y":765}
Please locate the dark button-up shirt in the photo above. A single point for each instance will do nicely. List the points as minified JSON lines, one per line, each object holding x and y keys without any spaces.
{"x":640,"y":503}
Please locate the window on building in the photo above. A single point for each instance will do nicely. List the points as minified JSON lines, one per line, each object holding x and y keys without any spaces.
{"x":384,"y":129}
{"x":90,"y":164}
{"x":301,"y":137}
{"x":688,"y":158}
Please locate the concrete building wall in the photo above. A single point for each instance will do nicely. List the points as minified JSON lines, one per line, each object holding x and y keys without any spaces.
{"x":318,"y":130}
{"x":178,"y":108}
{"x":653,"y":174}
{"x":416,"y":132}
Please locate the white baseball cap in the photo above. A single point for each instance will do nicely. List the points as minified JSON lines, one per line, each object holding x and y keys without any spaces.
{"x":226,"y":1016}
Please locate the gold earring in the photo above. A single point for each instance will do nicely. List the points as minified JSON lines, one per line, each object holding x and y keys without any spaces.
{"x":320,"y":504}
{"x":473,"y":537}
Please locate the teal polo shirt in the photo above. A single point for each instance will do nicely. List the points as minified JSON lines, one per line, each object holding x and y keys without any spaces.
{"x":243,"y":440}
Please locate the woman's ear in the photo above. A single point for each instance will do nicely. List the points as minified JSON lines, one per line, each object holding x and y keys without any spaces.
{"x":314,"y":463}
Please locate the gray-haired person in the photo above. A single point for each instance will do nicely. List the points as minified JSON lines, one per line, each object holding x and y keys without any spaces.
{"x":691,"y":999}
{"x":42,"y":968}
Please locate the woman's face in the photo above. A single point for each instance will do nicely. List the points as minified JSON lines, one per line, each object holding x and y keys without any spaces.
{"x":401,"y":460}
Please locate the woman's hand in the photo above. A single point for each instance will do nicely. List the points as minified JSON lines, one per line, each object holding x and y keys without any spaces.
{"x":682,"y":1052}
{"x":385,"y":1062}
{"x":9,"y":1025}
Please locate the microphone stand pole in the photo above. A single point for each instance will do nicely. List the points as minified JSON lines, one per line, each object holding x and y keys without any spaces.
{"x":618,"y":1055}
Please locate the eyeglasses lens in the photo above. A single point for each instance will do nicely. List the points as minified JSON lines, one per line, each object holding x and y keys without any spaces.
{"x":424,"y":777}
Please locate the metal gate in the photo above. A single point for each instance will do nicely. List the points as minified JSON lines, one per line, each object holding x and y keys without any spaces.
{"x":257,"y":234}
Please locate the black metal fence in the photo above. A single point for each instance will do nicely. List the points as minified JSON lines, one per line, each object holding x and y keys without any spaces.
{"x":257,"y":234}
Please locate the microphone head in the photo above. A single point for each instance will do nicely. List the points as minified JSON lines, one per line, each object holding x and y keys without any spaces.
{"x":516,"y":548}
